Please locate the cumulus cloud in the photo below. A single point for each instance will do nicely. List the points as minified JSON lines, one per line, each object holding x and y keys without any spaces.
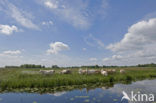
{"x":139,"y":35}
{"x":138,"y":44}
{"x":8,"y":30}
{"x":56,"y":47}
{"x":20,"y":16}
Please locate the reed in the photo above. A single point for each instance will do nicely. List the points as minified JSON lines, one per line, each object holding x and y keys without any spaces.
{"x":31,"y":78}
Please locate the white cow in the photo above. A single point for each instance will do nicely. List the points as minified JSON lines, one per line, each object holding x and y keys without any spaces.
{"x":65,"y":72}
{"x":114,"y":70}
{"x":47,"y":72}
{"x":91,"y":71}
{"x":122,"y":71}
{"x":105,"y":73}
{"x":82,"y":71}
{"x":111,"y":71}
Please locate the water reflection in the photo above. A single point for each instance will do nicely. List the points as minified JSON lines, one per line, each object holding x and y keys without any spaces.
{"x":58,"y":93}
{"x":103,"y":94}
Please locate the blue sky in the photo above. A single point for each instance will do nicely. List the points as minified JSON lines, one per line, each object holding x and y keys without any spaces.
{"x":77,"y":32}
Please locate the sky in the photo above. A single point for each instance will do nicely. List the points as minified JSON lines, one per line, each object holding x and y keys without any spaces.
{"x":77,"y":32}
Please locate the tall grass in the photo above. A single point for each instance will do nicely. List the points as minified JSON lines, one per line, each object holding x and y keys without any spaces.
{"x":31,"y":78}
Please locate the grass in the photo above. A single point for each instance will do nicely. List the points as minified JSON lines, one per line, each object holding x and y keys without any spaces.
{"x":31,"y":78}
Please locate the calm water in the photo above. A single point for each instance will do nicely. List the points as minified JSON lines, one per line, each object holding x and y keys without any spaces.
{"x":98,"y":95}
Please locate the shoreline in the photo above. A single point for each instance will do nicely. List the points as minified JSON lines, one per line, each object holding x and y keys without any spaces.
{"x":14,"y":79}
{"x":68,"y":88}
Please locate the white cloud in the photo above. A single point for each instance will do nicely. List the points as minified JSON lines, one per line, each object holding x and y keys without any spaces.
{"x":8,"y":30}
{"x":11,"y":52}
{"x":76,"y":13}
{"x":51,"y":4}
{"x":68,"y":13}
{"x":20,"y":16}
{"x":94,"y":42}
{"x":47,"y":23}
{"x":101,"y":13}
{"x":138,"y":45}
{"x":11,"y":57}
{"x":139,"y":36}
{"x":93,"y":59}
{"x":84,"y":49}
{"x":11,"y":60}
{"x":116,"y":57}
{"x":105,"y":59}
{"x":57,"y":47}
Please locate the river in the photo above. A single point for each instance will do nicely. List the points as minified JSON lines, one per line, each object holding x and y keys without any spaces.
{"x":97,"y":95}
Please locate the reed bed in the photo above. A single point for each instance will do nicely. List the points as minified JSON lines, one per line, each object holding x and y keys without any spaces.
{"x":31,"y":78}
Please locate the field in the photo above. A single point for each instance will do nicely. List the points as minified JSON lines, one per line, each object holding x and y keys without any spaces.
{"x":17,"y":78}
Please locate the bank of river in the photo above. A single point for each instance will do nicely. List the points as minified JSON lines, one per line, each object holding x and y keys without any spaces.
{"x":84,"y":95}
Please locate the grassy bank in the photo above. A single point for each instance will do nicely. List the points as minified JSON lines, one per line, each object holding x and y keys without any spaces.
{"x":31,"y":78}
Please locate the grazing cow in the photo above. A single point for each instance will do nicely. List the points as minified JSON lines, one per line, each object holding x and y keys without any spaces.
{"x":122,"y":71}
{"x":105,"y":73}
{"x":91,"y":71}
{"x":82,"y":71}
{"x":114,"y":70}
{"x":111,"y":71}
{"x":66,"y":71}
{"x":97,"y":71}
{"x":47,"y":72}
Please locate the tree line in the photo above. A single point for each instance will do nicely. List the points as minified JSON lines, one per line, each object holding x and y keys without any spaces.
{"x":147,"y":65}
{"x":92,"y":66}
{"x":26,"y":66}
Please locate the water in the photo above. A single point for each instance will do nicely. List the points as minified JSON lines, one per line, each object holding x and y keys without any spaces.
{"x":97,"y":95}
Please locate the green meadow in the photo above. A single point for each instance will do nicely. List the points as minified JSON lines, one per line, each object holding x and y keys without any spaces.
{"x":16,"y":78}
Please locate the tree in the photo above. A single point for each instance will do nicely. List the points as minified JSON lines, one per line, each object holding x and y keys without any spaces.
{"x":55,"y":66}
{"x":31,"y":66}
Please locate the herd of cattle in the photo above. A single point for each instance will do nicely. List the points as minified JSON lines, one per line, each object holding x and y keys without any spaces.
{"x":83,"y":71}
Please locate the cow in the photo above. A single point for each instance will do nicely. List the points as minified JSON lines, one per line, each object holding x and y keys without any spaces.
{"x":111,"y":71}
{"x":91,"y":71}
{"x":122,"y":71}
{"x":105,"y":73}
{"x":97,"y":71}
{"x":114,"y":70}
{"x":66,"y":72}
{"x":82,"y":71}
{"x":47,"y":72}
